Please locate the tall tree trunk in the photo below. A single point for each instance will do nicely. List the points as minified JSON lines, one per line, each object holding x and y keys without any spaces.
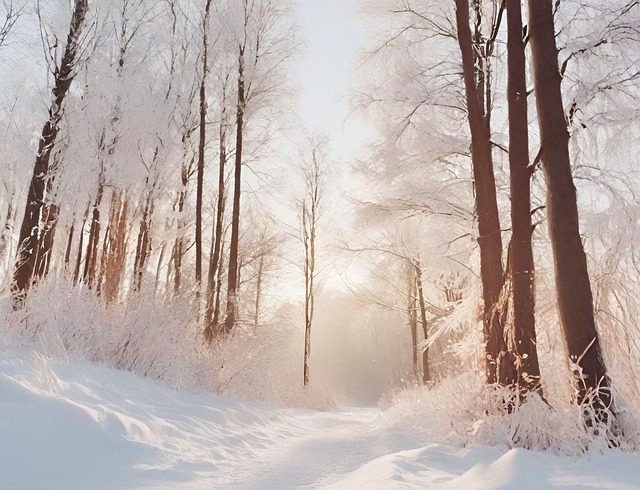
{"x":202,"y":143}
{"x":573,"y":289}
{"x":214,"y":266}
{"x":29,"y":231}
{"x":490,"y":239}
{"x":521,"y":267}
{"x":232,"y":282}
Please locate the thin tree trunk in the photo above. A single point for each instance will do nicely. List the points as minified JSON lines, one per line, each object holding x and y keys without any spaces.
{"x":233,"y":272}
{"x":212,"y":317}
{"x":91,"y":256}
{"x":426,"y":374}
{"x":76,"y":271}
{"x":490,"y":239}
{"x":217,"y":304}
{"x":573,"y":289}
{"x":523,"y":338}
{"x":117,"y":253}
{"x":202,"y":144}
{"x":412,"y":319}
{"x":29,"y":231}
{"x":258,"y":305}
{"x":67,"y":254}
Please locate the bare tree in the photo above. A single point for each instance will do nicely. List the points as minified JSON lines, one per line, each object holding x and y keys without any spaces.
{"x":202,"y":142}
{"x":64,"y":72}
{"x":264,"y":44}
{"x":573,"y":288}
{"x":522,"y":334}
{"x":313,"y":173}
{"x":12,"y":12}
{"x":476,"y":52}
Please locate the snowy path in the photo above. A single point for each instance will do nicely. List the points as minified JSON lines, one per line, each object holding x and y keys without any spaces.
{"x":66,"y":426}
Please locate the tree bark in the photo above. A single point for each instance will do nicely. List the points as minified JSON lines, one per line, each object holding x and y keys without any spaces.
{"x":426,"y":372}
{"x":202,"y":143}
{"x":29,"y":232}
{"x":490,"y":239}
{"x":232,"y":283}
{"x":212,"y":315}
{"x":412,"y":318}
{"x":521,"y":266}
{"x":573,"y":289}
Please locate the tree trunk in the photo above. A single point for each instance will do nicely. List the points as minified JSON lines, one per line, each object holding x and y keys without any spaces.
{"x":426,"y":374}
{"x":232,"y":282}
{"x":49,"y":221}
{"x":489,"y":239}
{"x":259,"y":279}
{"x":29,"y":231}
{"x":521,"y":267}
{"x":412,"y":319}
{"x":76,"y":271}
{"x":91,"y":256}
{"x":202,"y":144}
{"x":212,"y":316}
{"x":117,"y":252}
{"x":573,"y":289}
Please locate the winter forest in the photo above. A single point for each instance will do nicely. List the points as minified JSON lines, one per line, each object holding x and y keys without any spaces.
{"x":424,"y":209}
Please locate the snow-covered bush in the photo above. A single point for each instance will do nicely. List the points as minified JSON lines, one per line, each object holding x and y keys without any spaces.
{"x":160,"y":339}
{"x":465,"y":412}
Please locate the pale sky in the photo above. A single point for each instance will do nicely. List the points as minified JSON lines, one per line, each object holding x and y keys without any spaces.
{"x":333,"y":40}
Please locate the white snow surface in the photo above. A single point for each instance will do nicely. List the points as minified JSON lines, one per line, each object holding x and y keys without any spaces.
{"x":66,"y":425}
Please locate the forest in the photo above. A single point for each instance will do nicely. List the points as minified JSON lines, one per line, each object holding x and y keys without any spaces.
{"x":166,"y":209}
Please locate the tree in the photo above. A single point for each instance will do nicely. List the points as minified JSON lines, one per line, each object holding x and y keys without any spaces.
{"x":522,"y":334}
{"x":64,"y":72}
{"x":233,"y":273}
{"x":313,"y":175}
{"x":573,"y":289}
{"x":202,"y":142}
{"x":264,"y":41}
{"x":477,"y":79}
{"x":12,"y":12}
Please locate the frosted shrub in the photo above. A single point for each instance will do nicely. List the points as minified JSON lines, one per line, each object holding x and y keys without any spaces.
{"x":465,"y":412}
{"x":265,"y":363}
{"x":161,"y":340}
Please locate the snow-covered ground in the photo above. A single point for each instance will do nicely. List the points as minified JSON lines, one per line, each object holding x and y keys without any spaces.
{"x":76,"y":426}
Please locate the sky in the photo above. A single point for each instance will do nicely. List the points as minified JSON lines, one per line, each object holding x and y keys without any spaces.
{"x":333,"y":39}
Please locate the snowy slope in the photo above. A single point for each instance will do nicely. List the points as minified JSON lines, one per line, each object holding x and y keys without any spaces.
{"x":75,"y":426}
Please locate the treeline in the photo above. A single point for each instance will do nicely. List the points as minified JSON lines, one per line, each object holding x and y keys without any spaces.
{"x":154,"y":113}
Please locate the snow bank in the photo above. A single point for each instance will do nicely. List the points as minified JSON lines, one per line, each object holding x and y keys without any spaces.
{"x":76,"y":426}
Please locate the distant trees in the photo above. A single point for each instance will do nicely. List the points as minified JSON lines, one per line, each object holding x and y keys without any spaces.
{"x":150,"y":115}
